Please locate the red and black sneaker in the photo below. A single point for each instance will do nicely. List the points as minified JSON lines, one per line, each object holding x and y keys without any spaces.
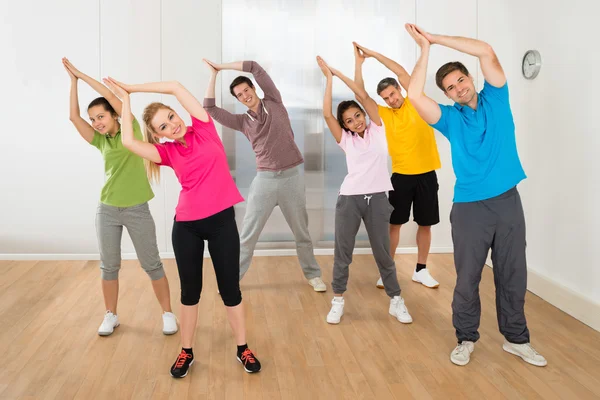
{"x":249,"y":361}
{"x":182,"y":364}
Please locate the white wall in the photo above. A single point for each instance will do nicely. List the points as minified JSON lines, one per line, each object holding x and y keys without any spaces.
{"x":558,"y":141}
{"x":50,"y":177}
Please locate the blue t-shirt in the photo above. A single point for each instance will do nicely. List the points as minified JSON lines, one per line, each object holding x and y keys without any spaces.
{"x":483,"y":145}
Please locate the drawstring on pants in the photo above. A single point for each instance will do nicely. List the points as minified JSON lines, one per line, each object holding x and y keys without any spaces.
{"x":368,"y":198}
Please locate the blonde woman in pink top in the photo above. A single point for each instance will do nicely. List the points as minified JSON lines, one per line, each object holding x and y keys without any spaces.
{"x":204,"y":211}
{"x":363,"y":195}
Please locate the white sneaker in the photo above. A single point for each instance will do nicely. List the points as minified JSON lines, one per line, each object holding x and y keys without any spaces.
{"x":526,"y":352}
{"x":424,"y":277}
{"x":461,"y":355}
{"x":337,"y":310}
{"x":111,"y":321}
{"x":379,"y":283}
{"x":399,"y":310}
{"x":169,"y":323}
{"x":317,"y":284}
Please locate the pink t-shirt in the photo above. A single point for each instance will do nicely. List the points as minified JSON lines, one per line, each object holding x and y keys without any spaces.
{"x":202,"y":170}
{"x":367,"y":161}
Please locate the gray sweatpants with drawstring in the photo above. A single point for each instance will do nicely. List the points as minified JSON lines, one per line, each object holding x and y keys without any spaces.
{"x":375,"y":210}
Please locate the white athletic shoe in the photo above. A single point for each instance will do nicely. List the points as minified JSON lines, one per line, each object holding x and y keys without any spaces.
{"x":398,"y":309}
{"x":461,"y":355}
{"x":169,"y":323}
{"x":337,"y":310}
{"x":526,"y":352}
{"x":379,"y":283}
{"x":110,"y":322}
{"x":424,"y":277}
{"x":317,"y":284}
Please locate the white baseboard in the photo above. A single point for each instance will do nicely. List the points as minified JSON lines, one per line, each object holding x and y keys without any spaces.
{"x":170,"y":254}
{"x":564,"y":299}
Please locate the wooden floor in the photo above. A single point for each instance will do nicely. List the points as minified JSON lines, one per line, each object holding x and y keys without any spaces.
{"x":49,"y":348}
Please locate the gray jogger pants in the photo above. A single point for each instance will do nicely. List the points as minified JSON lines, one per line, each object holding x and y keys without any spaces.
{"x":286,"y":190}
{"x":497,"y":223}
{"x":140,"y":225}
{"x":375,"y":210}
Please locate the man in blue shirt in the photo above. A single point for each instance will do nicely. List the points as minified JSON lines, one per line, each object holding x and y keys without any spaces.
{"x":487,"y":210}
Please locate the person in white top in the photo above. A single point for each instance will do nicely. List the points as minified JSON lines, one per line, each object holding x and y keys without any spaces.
{"x":363,"y":193}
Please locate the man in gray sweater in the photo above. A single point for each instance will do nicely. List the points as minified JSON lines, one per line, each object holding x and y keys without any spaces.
{"x":278,"y":181}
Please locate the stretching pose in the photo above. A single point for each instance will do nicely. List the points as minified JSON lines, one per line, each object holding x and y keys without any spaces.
{"x":487,"y":211}
{"x":415,"y":157}
{"x":123,"y":202}
{"x":204,"y":211}
{"x":363,"y":192}
{"x":278,"y":181}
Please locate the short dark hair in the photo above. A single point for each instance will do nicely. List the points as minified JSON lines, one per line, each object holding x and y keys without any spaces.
{"x":238,"y":81}
{"x":342,"y":107}
{"x":101,"y":101}
{"x":385,"y":83}
{"x":447,"y":69}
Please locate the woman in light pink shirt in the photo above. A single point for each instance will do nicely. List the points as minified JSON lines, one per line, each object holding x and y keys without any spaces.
{"x":363,"y":195}
{"x":204,"y":211}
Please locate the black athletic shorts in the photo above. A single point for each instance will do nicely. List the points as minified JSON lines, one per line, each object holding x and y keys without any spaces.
{"x":419,"y":191}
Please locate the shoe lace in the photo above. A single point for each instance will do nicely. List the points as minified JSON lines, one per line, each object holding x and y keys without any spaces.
{"x":531,"y":349}
{"x":181,"y":359}
{"x":248,"y":357}
{"x":460,"y":348}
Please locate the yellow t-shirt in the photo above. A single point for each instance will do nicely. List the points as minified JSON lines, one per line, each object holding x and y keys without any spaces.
{"x":411,"y":141}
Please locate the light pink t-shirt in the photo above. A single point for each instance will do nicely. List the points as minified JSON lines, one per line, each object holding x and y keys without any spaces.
{"x":367,"y":161}
{"x":202,"y":170}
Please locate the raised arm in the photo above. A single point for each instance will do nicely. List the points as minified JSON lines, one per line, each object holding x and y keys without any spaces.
{"x":427,"y":108}
{"x":359,"y":59}
{"x":220,"y":115}
{"x":83,"y":127}
{"x":397,"y":69}
{"x":139,"y":147}
{"x":490,"y":65}
{"x":330,"y":119}
{"x":97,"y":86}
{"x":368,"y":103}
{"x":185,"y":98}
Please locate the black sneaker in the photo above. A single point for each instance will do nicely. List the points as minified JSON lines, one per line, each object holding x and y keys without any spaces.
{"x":249,"y":361}
{"x":182,"y":365}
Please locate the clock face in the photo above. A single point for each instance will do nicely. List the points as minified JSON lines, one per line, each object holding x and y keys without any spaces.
{"x":532,"y":63}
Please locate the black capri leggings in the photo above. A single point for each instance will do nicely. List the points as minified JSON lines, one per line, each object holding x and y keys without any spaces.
{"x":220,"y":230}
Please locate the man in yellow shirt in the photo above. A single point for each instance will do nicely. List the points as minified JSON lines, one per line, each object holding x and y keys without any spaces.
{"x":415,"y":157}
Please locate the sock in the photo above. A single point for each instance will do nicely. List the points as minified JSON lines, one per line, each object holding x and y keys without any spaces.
{"x":242,"y":348}
{"x":188,"y":351}
{"x":420,"y":267}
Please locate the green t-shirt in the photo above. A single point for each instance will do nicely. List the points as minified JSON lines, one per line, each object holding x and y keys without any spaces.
{"x":126,"y":180}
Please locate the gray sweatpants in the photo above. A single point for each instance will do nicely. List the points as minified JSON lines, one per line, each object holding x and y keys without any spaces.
{"x":140,"y":225}
{"x":375,"y":210}
{"x":286,"y":190}
{"x":497,"y":223}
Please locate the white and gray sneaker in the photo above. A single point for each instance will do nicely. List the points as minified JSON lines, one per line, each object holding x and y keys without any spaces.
{"x":398,"y":309}
{"x":461,"y":355}
{"x":169,"y":323}
{"x":337,"y":310}
{"x":110,"y":322}
{"x":425,"y":278}
{"x":317,"y":284}
{"x":526,"y":352}
{"x":379,"y":283}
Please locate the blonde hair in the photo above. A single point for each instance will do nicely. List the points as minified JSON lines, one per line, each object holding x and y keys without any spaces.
{"x":152,"y":169}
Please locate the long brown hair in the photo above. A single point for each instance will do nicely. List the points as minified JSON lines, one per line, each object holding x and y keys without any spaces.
{"x":152,"y":169}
